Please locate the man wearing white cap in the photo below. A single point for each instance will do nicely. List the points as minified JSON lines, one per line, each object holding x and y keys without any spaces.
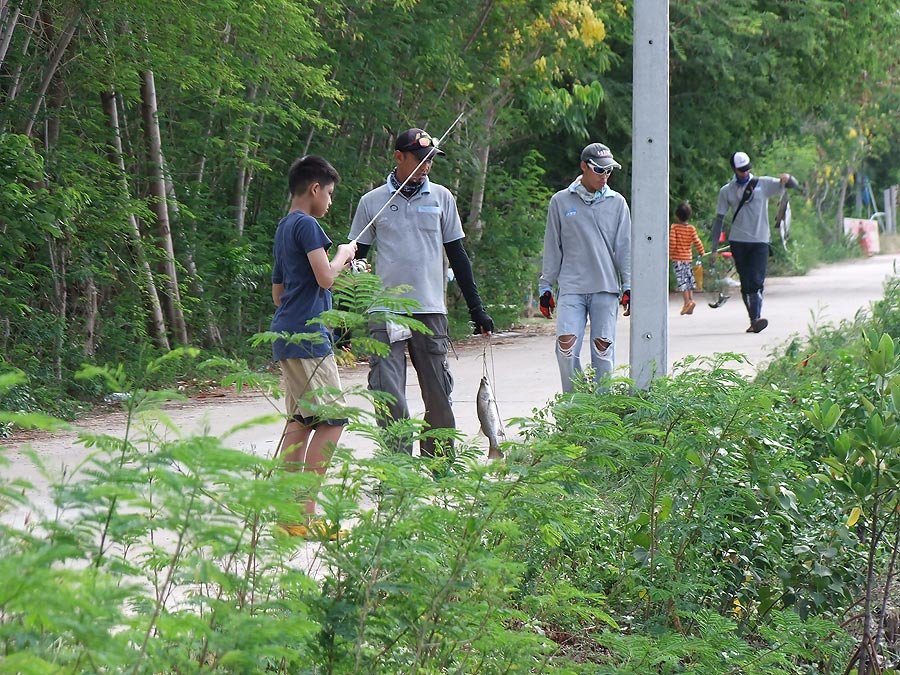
{"x":747,"y":197}
{"x":587,"y":254}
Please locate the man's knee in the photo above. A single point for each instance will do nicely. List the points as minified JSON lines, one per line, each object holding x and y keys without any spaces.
{"x":602,"y":345}
{"x":566,"y":344}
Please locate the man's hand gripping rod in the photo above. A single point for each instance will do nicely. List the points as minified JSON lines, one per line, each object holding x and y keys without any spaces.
{"x":436,"y":144}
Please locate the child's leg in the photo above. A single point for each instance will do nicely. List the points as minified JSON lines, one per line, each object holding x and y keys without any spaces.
{"x":308,"y":443}
{"x":293,"y":444}
{"x":293,"y":450}
{"x":318,"y":454}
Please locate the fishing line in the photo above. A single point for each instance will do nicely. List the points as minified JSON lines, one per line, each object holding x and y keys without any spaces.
{"x":492,"y":376}
{"x":436,"y":144}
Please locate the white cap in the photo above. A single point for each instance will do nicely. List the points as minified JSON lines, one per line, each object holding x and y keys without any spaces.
{"x":740,"y":160}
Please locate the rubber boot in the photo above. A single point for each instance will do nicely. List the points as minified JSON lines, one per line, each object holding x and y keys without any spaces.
{"x":753,"y":301}
{"x":754,"y":305}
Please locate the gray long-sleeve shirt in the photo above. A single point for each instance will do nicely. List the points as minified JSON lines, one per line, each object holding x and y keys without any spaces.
{"x":587,"y":247}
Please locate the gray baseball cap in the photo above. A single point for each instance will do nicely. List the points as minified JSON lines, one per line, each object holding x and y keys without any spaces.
{"x":600,"y":155}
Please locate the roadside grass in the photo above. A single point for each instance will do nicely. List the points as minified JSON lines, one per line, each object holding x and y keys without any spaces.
{"x":711,"y":524}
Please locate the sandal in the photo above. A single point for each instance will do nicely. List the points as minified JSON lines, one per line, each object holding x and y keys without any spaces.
{"x":316,"y":530}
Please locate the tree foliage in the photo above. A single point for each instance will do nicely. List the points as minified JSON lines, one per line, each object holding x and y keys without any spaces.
{"x":145,"y":144}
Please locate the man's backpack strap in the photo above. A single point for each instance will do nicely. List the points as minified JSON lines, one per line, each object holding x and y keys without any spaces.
{"x":748,"y":190}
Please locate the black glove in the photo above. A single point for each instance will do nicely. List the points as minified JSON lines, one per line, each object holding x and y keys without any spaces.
{"x":626,"y":302}
{"x":482,"y":320}
{"x":792,"y":183}
{"x":548,"y":304}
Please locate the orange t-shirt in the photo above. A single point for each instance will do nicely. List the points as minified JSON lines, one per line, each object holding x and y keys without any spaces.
{"x":681,"y":237}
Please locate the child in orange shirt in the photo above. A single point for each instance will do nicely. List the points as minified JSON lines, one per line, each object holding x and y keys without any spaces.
{"x":682,"y":238}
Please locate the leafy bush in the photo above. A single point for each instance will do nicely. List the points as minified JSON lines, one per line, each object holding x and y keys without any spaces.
{"x":710,"y":524}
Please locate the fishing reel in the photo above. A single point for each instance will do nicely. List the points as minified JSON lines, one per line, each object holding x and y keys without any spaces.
{"x":359,"y":265}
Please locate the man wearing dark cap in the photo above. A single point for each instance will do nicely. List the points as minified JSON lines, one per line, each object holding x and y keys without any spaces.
{"x":587,"y":254}
{"x":747,"y":197}
{"x":411,"y":235}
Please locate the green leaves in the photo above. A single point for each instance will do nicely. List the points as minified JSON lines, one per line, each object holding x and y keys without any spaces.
{"x":824,"y":420}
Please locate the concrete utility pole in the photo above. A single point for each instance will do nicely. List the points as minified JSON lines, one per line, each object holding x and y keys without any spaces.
{"x":890,"y":210}
{"x":650,"y":192}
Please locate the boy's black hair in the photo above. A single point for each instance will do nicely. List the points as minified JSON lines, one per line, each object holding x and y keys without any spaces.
{"x":684,"y":212}
{"x":308,"y":170}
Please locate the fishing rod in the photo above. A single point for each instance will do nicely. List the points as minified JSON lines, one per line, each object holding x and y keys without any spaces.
{"x":436,"y":144}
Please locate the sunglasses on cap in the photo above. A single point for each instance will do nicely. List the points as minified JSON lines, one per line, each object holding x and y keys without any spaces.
{"x":420,"y":142}
{"x":600,"y":170}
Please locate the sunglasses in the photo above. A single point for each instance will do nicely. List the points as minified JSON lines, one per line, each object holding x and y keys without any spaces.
{"x":420,"y":142}
{"x":600,"y":170}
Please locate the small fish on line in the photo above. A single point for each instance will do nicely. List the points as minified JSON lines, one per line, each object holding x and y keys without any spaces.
{"x":489,"y":417}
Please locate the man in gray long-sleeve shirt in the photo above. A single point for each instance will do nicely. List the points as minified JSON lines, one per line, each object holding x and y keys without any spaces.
{"x":747,"y":197}
{"x":587,"y":254}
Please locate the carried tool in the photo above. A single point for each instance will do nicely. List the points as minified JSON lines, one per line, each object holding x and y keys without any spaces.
{"x":436,"y":144}
{"x":719,"y":277}
{"x":783,"y":219}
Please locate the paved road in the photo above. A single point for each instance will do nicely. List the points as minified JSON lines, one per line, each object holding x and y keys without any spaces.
{"x":523,"y":366}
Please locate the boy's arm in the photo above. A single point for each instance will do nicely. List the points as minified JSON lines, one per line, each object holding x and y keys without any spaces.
{"x":326,"y":272}
{"x":277,"y":290}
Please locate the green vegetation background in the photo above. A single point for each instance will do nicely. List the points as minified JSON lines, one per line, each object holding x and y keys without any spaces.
{"x":143,"y":145}
{"x":709,"y":525}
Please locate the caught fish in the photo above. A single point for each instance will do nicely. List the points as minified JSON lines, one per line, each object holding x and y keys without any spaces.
{"x":489,"y":416}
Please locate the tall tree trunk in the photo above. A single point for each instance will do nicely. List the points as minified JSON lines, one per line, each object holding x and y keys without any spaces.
{"x":157,"y":322}
{"x":158,"y":204}
{"x":201,"y":169}
{"x":242,"y":179}
{"x":8,"y":23}
{"x":54,"y":105}
{"x":239,"y":199}
{"x":53,"y":62}
{"x":58,"y":251}
{"x":91,"y":311}
{"x":5,"y":330}
{"x":213,"y":333}
{"x":474,"y":224}
{"x":17,"y":76}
